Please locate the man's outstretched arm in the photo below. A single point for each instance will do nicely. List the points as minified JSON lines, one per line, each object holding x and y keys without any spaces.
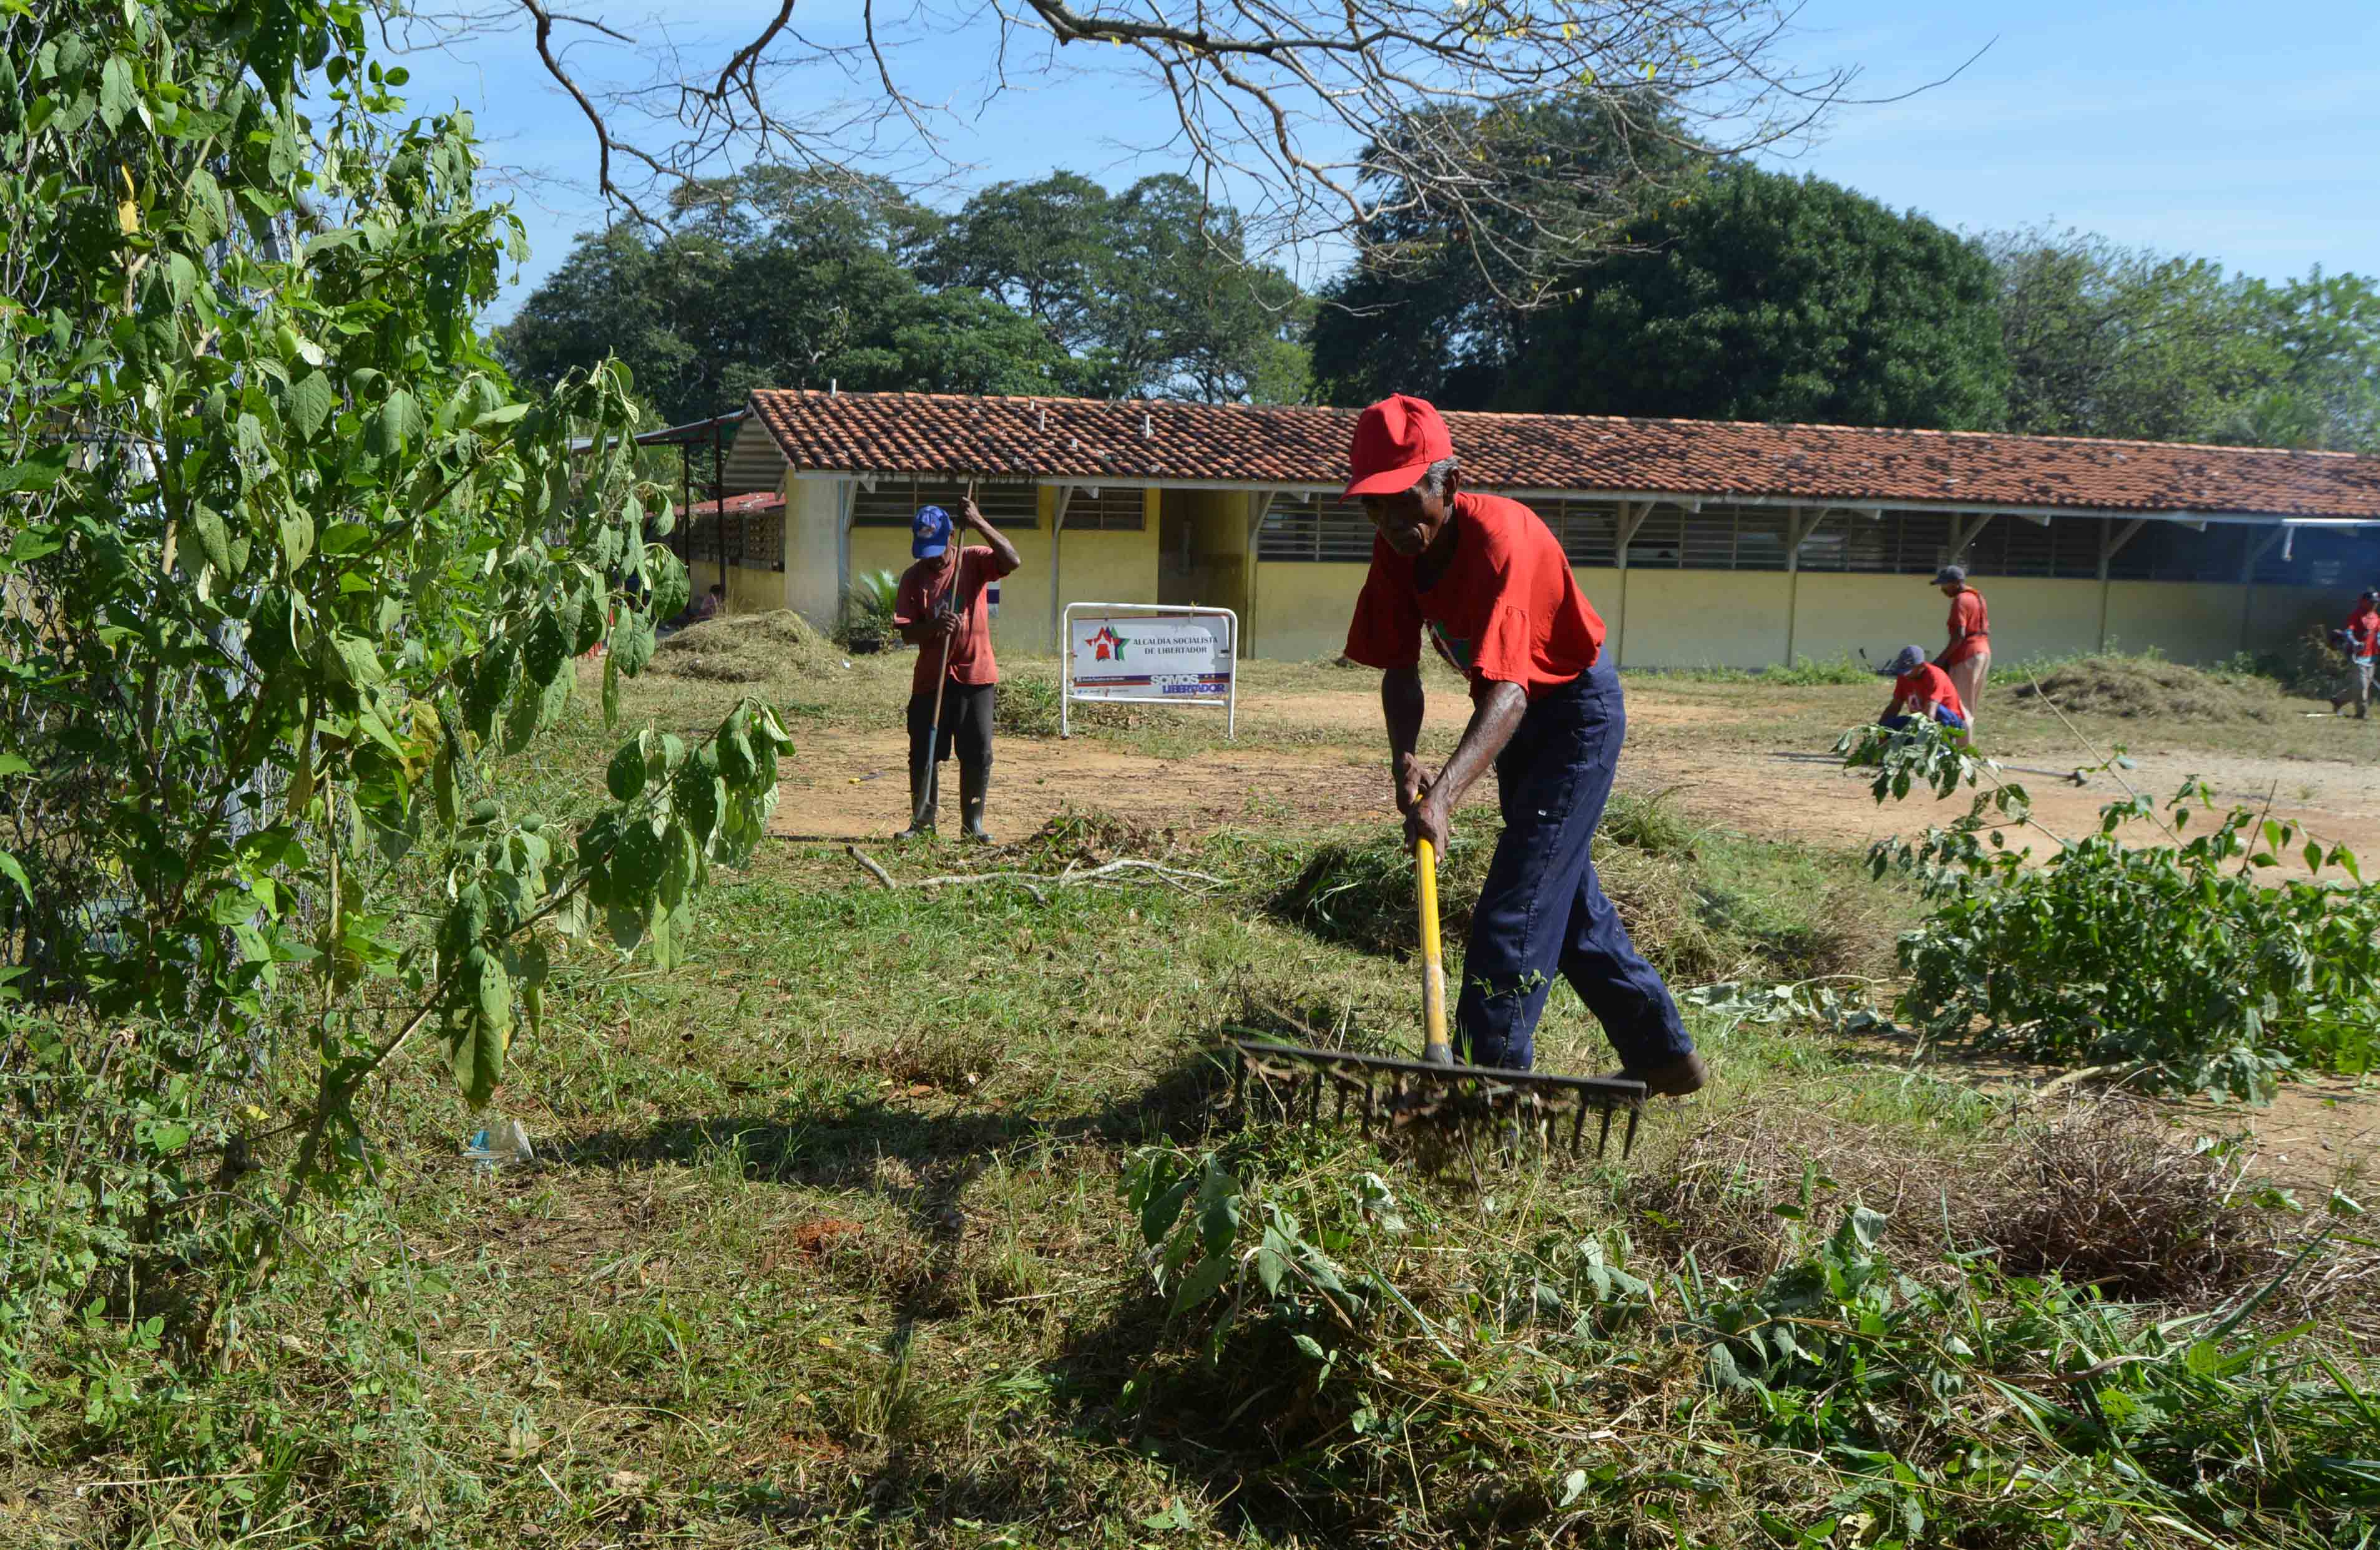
{"x":1496,"y":713}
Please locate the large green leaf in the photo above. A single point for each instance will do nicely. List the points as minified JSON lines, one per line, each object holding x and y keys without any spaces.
{"x":215,"y":542}
{"x":116,"y":92}
{"x":696,"y":796}
{"x":310,"y":400}
{"x":670,"y":587}
{"x":546,"y":653}
{"x":626,"y":775}
{"x":40,"y":471}
{"x":483,"y":1028}
{"x":632,"y":641}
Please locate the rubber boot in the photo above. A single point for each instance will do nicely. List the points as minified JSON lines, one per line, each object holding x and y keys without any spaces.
{"x":921,"y":808}
{"x":973,"y":783}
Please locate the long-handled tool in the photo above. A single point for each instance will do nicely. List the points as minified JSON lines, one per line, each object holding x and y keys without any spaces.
{"x":1434,"y":1092}
{"x":928,"y":803}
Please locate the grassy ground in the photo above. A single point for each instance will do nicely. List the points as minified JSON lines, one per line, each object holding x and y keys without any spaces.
{"x":829,"y":1242}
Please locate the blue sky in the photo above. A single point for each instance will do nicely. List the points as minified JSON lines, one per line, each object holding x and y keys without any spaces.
{"x":2246,"y":134}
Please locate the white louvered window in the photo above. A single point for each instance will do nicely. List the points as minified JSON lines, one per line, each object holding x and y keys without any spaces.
{"x":1588,"y":531}
{"x":1658,"y":539}
{"x":1115,"y":509}
{"x":1289,"y":532}
{"x":895,"y":501}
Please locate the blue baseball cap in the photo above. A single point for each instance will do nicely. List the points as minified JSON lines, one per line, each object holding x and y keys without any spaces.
{"x":929,"y":534}
{"x":1909,"y":660}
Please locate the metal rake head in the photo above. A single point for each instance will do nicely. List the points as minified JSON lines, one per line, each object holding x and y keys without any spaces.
{"x":1415,"y":1094}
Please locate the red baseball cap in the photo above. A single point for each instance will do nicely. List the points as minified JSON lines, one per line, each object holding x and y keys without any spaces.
{"x":1396,"y":441}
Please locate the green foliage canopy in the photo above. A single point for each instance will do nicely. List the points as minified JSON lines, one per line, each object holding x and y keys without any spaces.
{"x":1754,"y":296}
{"x":773,"y":278}
{"x":287,"y":562}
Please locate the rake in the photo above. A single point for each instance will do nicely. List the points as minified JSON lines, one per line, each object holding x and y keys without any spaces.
{"x":1433,"y":1094}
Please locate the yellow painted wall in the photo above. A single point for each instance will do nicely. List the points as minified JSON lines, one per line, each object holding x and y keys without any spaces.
{"x":1301,"y":609}
{"x":812,"y":509}
{"x":1703,"y":619}
{"x":2278,"y":615}
{"x":1838,"y":614}
{"x":1103,"y":567}
{"x":2188,"y":622}
{"x":748,"y":591}
{"x":1610,"y":600}
{"x":2030,"y":616}
{"x":1218,"y":574}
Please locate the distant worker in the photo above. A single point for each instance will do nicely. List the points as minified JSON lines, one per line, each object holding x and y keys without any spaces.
{"x":1487,"y":580}
{"x":700,"y":611}
{"x":1968,"y":658}
{"x":1921,"y":689}
{"x":944,"y":601}
{"x":2359,"y":639}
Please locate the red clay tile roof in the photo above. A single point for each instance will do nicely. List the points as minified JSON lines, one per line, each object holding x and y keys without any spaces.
{"x":1091,"y":440}
{"x":740,"y":505}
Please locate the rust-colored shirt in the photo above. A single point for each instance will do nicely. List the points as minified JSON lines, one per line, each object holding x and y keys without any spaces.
{"x":1507,"y":610}
{"x":1971,"y":628}
{"x":963,"y":576}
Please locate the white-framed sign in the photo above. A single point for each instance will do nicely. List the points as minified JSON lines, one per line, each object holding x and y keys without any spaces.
{"x":1149,"y":654}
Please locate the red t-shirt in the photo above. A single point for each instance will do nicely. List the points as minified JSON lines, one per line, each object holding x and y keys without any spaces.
{"x":1506,"y":610}
{"x":2363,"y":631}
{"x":923,"y":587}
{"x":1967,"y":619}
{"x":1920,"y":690}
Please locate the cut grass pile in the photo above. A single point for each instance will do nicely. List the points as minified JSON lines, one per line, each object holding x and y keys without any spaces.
{"x":2149,"y":688}
{"x":777,"y":646}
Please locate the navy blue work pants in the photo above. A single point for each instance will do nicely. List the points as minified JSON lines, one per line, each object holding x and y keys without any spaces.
{"x":1541,"y":912}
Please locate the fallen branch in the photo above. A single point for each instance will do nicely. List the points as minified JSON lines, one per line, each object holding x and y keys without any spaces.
{"x":1102,"y":876}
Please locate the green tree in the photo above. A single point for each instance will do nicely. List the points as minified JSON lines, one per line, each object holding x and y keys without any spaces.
{"x":289,"y":564}
{"x":1439,"y":300}
{"x":1769,"y":298}
{"x":2105,"y":339}
{"x":1151,"y":292}
{"x":2321,"y":387}
{"x":773,"y":278}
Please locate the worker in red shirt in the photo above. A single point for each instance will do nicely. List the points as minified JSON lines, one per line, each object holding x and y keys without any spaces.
{"x":2359,"y":639}
{"x":1968,"y":658}
{"x":1486,"y":581}
{"x":944,"y":598}
{"x":1921,"y":689}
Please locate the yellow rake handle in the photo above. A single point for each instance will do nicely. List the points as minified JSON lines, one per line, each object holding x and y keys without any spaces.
{"x":1433,"y":961}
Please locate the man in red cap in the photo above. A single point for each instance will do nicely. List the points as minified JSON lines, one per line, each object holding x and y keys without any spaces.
{"x":1486,"y":579}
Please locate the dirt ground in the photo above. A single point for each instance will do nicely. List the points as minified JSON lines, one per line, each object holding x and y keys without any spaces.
{"x":1753,"y":763}
{"x":1718,"y":766}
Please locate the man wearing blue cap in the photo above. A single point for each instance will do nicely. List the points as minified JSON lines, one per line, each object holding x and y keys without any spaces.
{"x":942,"y":610}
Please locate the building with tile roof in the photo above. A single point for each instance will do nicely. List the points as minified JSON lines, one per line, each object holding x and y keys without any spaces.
{"x":1702,"y":543}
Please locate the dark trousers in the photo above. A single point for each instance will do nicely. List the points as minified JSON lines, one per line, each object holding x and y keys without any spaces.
{"x":1542,"y":913}
{"x":967,"y":727}
{"x":1941,"y":713}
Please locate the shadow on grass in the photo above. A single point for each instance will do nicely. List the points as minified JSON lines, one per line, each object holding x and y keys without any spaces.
{"x":843,"y":1144}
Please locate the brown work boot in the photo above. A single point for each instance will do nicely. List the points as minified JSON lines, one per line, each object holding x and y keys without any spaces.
{"x":1673,"y":1079}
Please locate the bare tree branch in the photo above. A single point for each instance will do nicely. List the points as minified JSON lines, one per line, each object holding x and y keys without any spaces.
{"x":1321,"y":118}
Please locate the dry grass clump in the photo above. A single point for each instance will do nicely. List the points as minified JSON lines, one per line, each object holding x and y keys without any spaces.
{"x":1728,"y":1188}
{"x":2102,"y":1194}
{"x":1089,"y":836}
{"x":2146,"y":688}
{"x":2097,"y":1193}
{"x":748,"y":648}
